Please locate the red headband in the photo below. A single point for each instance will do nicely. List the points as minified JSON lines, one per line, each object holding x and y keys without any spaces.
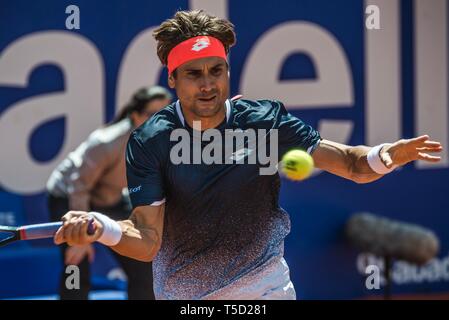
{"x":194,"y":48}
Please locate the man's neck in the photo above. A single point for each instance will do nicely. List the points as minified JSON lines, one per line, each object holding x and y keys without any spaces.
{"x":206,"y":122}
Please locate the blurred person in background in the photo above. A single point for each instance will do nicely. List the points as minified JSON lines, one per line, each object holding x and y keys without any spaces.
{"x":93,"y":178}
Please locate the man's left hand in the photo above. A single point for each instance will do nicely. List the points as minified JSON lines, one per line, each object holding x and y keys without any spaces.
{"x":407,"y":150}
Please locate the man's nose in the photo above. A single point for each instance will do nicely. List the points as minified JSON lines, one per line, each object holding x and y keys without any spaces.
{"x":207,"y":84}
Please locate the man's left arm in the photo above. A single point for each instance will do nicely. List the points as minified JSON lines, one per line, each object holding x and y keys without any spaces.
{"x":363,"y":164}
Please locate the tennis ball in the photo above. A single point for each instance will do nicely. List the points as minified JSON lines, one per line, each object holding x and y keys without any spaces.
{"x":297,"y":165}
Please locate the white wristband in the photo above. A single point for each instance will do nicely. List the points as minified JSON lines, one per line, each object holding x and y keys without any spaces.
{"x":112,"y":232}
{"x":376,"y":163}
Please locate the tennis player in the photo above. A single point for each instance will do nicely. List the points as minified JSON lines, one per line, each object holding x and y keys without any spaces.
{"x":216,"y":231}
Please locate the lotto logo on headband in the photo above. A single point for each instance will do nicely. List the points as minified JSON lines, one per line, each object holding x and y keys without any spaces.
{"x":200,"y":44}
{"x":195,"y":48}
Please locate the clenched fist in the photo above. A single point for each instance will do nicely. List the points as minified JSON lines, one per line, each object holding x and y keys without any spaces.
{"x":74,"y":229}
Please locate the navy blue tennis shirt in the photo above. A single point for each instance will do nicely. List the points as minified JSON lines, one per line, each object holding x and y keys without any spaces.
{"x":222,"y":221}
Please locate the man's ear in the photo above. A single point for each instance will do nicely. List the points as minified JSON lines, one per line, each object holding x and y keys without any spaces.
{"x":171,"y":81}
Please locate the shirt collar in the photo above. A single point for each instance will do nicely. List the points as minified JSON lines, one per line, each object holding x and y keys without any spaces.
{"x":181,"y":115}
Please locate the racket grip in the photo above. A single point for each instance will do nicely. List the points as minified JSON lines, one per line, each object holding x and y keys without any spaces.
{"x":91,"y":227}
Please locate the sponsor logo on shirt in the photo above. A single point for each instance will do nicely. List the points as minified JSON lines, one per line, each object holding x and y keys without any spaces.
{"x":240,"y":154}
{"x":135,"y":189}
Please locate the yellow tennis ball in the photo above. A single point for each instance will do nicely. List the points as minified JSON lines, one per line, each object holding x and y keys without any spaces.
{"x":297,"y":165}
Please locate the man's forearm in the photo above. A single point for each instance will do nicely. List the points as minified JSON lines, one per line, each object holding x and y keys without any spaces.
{"x":139,"y":237}
{"x":349,"y":162}
{"x":137,"y":243}
{"x":361,"y":172}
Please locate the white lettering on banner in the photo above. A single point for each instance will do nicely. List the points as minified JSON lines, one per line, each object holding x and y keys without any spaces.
{"x":8,"y":218}
{"x":140,"y":67}
{"x":81,"y":103}
{"x":333,"y":88}
{"x":431,"y":75}
{"x":218,"y":8}
{"x":383,"y":117}
{"x":436,"y":270}
{"x":383,"y":76}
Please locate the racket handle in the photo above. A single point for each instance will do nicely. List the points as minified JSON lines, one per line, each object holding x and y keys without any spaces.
{"x":91,"y":227}
{"x":47,"y":230}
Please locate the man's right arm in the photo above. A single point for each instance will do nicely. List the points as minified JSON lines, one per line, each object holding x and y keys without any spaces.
{"x":141,"y":234}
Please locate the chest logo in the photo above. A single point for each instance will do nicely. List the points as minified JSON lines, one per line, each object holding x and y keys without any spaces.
{"x":240,"y":154}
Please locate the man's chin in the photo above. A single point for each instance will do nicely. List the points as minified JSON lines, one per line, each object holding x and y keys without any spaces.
{"x":207,"y":111}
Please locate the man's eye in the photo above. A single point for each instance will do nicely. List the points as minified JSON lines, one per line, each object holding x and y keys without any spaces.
{"x":217,"y":71}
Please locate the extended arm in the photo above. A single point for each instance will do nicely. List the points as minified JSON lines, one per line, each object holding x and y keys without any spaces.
{"x":351,"y":162}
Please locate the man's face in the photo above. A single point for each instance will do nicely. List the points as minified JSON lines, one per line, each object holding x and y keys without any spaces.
{"x":202,"y":86}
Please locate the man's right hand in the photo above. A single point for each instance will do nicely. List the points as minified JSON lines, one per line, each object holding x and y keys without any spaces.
{"x":74,"y":229}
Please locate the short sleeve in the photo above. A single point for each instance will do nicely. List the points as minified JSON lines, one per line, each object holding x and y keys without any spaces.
{"x":293,"y":132}
{"x":144,"y":173}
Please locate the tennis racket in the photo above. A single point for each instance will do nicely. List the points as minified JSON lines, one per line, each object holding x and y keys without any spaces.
{"x":35,"y":231}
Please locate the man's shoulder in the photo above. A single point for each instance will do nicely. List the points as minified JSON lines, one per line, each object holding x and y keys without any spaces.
{"x":263,"y":109}
{"x":257,"y":105}
{"x":159,"y":126}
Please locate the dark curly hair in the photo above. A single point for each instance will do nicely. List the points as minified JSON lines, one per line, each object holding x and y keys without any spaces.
{"x":188,"y":24}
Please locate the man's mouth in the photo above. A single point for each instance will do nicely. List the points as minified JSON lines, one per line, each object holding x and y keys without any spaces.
{"x":207,"y":99}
